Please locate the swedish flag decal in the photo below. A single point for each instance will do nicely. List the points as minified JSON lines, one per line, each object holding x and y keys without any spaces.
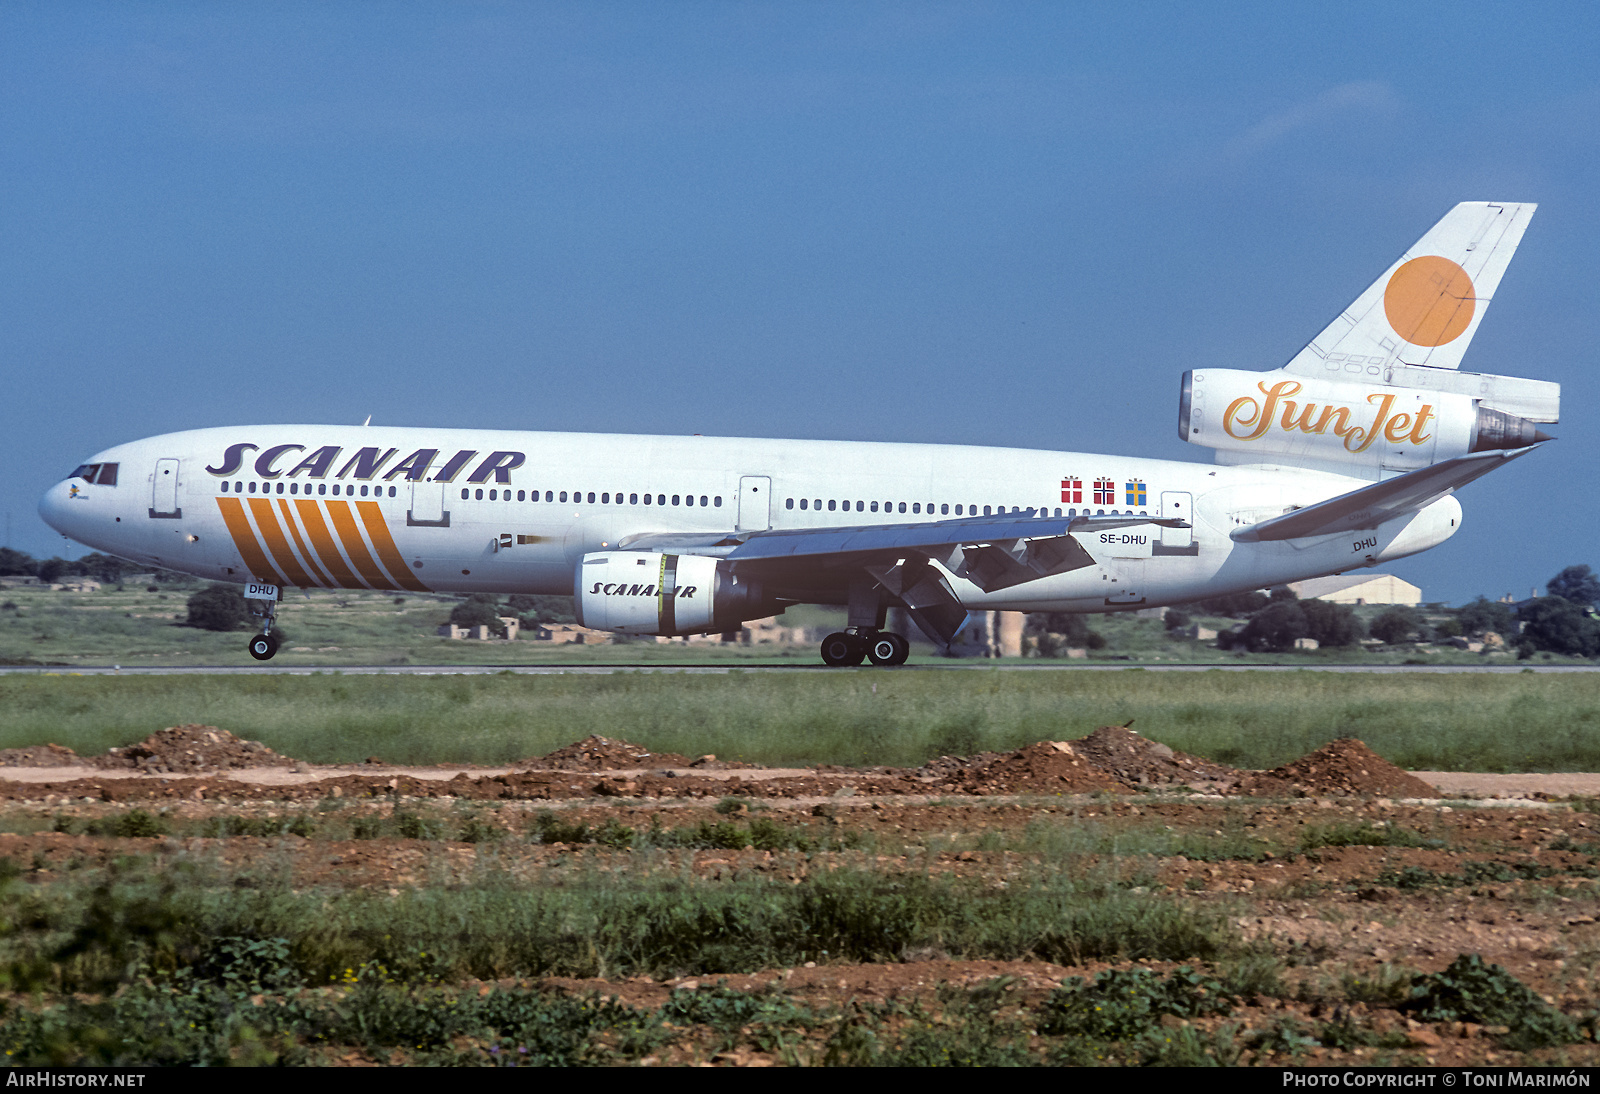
{"x":1136,"y":493}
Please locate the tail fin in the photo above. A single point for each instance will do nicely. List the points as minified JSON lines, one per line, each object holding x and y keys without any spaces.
{"x":1426,"y":307}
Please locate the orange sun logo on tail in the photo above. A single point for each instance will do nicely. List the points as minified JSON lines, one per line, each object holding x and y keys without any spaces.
{"x":1429,"y":301}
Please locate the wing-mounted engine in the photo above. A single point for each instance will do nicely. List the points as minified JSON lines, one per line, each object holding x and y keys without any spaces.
{"x":1359,"y":426}
{"x":650,"y":592}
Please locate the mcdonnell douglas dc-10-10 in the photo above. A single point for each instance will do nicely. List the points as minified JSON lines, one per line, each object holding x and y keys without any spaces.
{"x":1347,"y":456}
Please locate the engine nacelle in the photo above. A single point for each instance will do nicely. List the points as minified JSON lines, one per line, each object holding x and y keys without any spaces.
{"x":1278,"y":416}
{"x":646,"y":592}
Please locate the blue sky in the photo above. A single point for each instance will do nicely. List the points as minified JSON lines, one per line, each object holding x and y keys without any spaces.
{"x":982,"y":224}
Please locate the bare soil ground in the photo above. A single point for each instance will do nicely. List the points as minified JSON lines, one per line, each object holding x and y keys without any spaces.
{"x":1340,"y":865}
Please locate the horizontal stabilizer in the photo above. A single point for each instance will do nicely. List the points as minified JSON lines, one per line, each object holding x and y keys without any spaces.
{"x":1370,"y":506}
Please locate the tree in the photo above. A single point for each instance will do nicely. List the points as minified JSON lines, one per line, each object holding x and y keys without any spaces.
{"x":1556,"y":624}
{"x":535,"y":609}
{"x":478,"y":610}
{"x":1234,"y":605}
{"x":1577,"y":585}
{"x":1396,"y":625}
{"x":104,"y":568}
{"x":16,"y":563}
{"x":1482,"y":616}
{"x":1055,"y":631}
{"x":1331,"y":624}
{"x":1275,"y":627}
{"x":218,"y":608}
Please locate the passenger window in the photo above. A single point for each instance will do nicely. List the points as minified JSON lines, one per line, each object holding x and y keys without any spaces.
{"x":647,"y":499}
{"x":986,"y":510}
{"x":661,"y":499}
{"x":522,"y":495}
{"x":717,"y":501}
{"x":702,"y":501}
{"x":788,"y":503}
{"x":859,"y":506}
{"x":802,"y":503}
{"x":688,"y":499}
{"x":633,"y":499}
{"x":605,"y":499}
{"x":830,"y":505}
{"x":591,"y":497}
{"x":563,"y":495}
{"x":916,"y":507}
{"x":674,"y":499}
{"x":817,"y":504}
{"x":944,"y":510}
{"x":479,"y":496}
{"x":874,"y":507}
{"x":549,"y":495}
{"x":902,"y":507}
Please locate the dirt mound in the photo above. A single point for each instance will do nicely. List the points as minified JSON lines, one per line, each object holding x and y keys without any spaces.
{"x":595,"y":753}
{"x":190,"y":750}
{"x":1139,"y":761}
{"x":39,"y":756}
{"x":1048,"y":767}
{"x":1344,"y":766}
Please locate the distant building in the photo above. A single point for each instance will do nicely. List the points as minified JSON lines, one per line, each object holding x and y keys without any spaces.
{"x":1358,"y":589}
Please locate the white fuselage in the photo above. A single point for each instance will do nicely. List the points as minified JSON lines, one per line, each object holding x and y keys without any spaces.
{"x":452,"y":511}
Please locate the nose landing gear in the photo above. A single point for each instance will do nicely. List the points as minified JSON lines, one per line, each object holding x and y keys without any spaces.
{"x":262,"y":601}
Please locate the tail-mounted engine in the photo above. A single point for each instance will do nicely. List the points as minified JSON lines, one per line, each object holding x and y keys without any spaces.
{"x":645,"y":592}
{"x":1395,"y":421}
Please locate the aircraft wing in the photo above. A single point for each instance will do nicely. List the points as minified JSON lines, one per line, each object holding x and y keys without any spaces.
{"x":993,"y":552}
{"x":1370,"y":506}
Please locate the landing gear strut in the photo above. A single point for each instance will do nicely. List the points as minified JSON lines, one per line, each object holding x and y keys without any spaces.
{"x":884,"y":648}
{"x":264,"y":645}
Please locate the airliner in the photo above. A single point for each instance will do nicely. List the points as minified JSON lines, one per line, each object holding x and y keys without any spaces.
{"x":1347,"y":456}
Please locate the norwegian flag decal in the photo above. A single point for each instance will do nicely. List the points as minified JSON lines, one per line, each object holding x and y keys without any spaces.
{"x":1105,"y":492}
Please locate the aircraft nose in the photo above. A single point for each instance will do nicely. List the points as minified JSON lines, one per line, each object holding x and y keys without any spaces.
{"x":53,"y":507}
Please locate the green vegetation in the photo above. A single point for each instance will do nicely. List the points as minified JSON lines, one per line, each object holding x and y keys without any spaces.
{"x":1471,"y":990}
{"x":1517,"y":722}
{"x":87,"y":935}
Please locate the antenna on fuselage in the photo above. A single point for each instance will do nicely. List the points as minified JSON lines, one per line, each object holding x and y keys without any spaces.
{"x":367,"y":422}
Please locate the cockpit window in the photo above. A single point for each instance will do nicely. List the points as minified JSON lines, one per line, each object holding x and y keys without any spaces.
{"x":86,"y":472}
{"x":108,"y":475}
{"x":103,"y":474}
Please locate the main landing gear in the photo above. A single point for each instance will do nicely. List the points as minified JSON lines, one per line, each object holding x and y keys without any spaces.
{"x":880,"y":647}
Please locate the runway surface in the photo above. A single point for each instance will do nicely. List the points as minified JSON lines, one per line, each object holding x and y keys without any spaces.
{"x":578,"y":668}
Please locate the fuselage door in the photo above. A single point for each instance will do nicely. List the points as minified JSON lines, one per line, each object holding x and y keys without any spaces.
{"x":1179,"y":505}
{"x":164,"y":490}
{"x":427,"y":506}
{"x":755,"y":507}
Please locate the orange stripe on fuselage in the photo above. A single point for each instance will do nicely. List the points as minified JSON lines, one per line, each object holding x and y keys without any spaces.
{"x":345,"y":524}
{"x":327,"y":550}
{"x":388,"y":553}
{"x":305,"y":552}
{"x":244,"y":540}
{"x":278,"y":543}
